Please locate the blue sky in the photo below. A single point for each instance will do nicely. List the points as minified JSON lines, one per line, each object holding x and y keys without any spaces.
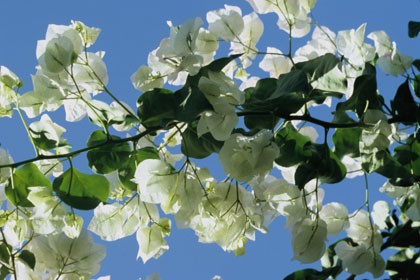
{"x":130,"y":30}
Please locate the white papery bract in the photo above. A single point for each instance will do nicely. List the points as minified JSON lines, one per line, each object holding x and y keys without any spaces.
{"x":89,"y":34}
{"x":323,"y":42}
{"x":76,"y":257}
{"x":336,"y":216}
{"x":219,"y":89}
{"x":353,"y":166}
{"x":362,"y":231}
{"x":402,"y":195}
{"x":248,"y":38}
{"x":151,"y":242}
{"x":8,"y":80}
{"x":351,"y":44}
{"x":116,"y":221}
{"x":223,"y":217}
{"x":275,"y":64}
{"x":226,"y":23}
{"x":155,"y":180}
{"x":15,"y":231}
{"x":46,"y":129}
{"x":360,"y":259}
{"x":244,"y":157}
{"x":380,"y":213}
{"x":178,"y":56}
{"x":390,"y":60}
{"x":293,"y":14}
{"x":47,"y":95}
{"x":5,"y":158}
{"x":223,"y":93}
{"x":308,"y":240}
{"x":183,"y":38}
{"x":59,"y":49}
{"x":145,"y":79}
{"x":285,"y":198}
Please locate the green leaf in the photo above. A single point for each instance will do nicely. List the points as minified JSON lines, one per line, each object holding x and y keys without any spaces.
{"x":383,"y":163}
{"x":416,"y":63}
{"x":318,"y":67}
{"x":161,"y":107}
{"x":346,"y":140}
{"x":157,"y":107}
{"x":403,"y":105}
{"x":413,"y":29}
{"x":5,"y":252}
{"x":23,"y":178}
{"x":219,"y":64}
{"x":28,"y":257}
{"x":283,"y":96}
{"x":403,"y":236}
{"x":126,"y":173}
{"x":333,"y":81}
{"x":291,"y":144}
{"x":198,"y":147}
{"x":319,"y":96}
{"x":312,"y":274}
{"x":403,"y":265}
{"x":4,"y":272}
{"x":81,"y":191}
{"x":323,"y":164}
{"x":408,"y":155}
{"x":261,"y":121}
{"x":263,"y":88}
{"x":192,"y":103}
{"x":365,"y":95}
{"x":416,"y":83}
{"x":109,"y":157}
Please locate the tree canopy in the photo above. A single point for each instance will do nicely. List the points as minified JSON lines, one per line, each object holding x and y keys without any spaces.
{"x":196,"y":99}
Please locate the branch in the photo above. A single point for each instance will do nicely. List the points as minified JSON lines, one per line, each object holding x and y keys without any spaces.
{"x":74,"y":153}
{"x":307,"y":118}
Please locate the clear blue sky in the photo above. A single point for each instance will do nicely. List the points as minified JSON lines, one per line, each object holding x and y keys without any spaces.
{"x":130,"y":30}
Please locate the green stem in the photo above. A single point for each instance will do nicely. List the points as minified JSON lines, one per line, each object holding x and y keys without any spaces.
{"x":27,"y":128}
{"x":77,"y":152}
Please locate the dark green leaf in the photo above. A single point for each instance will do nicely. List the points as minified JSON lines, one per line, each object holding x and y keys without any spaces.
{"x":261,"y":121}
{"x":364,"y":94}
{"x":198,"y":147}
{"x":287,"y":97}
{"x":383,"y":163}
{"x":416,"y":84}
{"x":5,"y":252}
{"x":403,"y":236}
{"x":323,"y":164}
{"x":108,"y":158}
{"x":23,"y":178}
{"x":191,"y":102}
{"x":318,"y":67}
{"x":346,"y":140}
{"x":408,"y":155}
{"x":319,"y":96}
{"x":219,"y":64}
{"x":403,"y":265}
{"x":157,"y":107}
{"x":403,"y":105}
{"x":291,"y":144}
{"x":28,"y":257}
{"x":312,"y":274}
{"x":127,"y":172}
{"x":413,"y":29}
{"x":4,"y":272}
{"x":81,"y":191}
{"x":416,"y":63}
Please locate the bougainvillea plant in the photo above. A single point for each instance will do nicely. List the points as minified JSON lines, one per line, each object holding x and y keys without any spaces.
{"x":145,"y":162}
